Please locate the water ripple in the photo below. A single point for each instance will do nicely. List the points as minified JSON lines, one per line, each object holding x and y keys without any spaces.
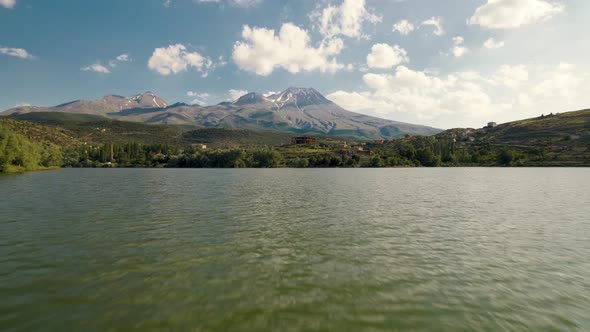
{"x":290,"y":250}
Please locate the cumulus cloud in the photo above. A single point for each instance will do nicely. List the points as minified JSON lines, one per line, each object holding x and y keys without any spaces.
{"x":404,"y":27}
{"x":511,"y":76}
{"x":491,"y":44}
{"x":474,"y":95}
{"x":386,"y":56}
{"x":417,"y":92}
{"x":435,"y":22}
{"x":561,"y":82}
{"x":459,"y":49}
{"x":175,"y":59}
{"x":262,"y":51}
{"x":8,"y":3}
{"x":346,"y":19}
{"x":236,"y":94}
{"x":233,"y":3}
{"x":98,"y":68}
{"x":200,"y":98}
{"x":16,"y":52}
{"x":509,"y":14}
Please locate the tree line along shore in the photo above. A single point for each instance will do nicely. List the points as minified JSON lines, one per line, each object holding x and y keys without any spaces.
{"x":28,"y":146}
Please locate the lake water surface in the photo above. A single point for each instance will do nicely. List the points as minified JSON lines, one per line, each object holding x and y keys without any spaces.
{"x":458,"y":249}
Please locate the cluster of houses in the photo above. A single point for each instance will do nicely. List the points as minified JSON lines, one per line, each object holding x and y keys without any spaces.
{"x":303,"y":140}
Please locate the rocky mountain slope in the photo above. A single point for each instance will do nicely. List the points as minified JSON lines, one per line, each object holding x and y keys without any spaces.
{"x":296,"y":110}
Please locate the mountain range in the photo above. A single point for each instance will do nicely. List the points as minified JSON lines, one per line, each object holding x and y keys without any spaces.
{"x":295,"y":110}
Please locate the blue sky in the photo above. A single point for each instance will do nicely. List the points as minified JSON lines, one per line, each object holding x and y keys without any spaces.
{"x":440,"y":63}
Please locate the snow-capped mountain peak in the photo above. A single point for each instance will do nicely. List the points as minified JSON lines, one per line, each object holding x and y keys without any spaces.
{"x":146,"y":99}
{"x":298,"y":98}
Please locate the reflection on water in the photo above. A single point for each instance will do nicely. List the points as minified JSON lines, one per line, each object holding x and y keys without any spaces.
{"x":338,"y":249}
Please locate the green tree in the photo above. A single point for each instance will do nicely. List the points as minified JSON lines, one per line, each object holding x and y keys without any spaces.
{"x":301,"y":163}
{"x":17,"y":153}
{"x":427,"y":158}
{"x":505,"y":157}
{"x":267,"y":158}
{"x":376,"y":161}
{"x":51,"y":156}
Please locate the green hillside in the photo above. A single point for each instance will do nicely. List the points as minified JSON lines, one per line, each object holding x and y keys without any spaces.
{"x":228,"y":138}
{"x":32,"y":150}
{"x":548,"y":129}
{"x":40,"y":133}
{"x":550,"y":140}
{"x":38,"y":140}
{"x":98,"y":129}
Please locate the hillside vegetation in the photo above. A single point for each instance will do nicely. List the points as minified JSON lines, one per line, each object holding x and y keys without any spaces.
{"x":233,"y":138}
{"x":78,"y":140}
{"x":549,"y":140}
{"x":96,"y":129}
{"x":555,"y":129}
{"x":41,"y":133}
{"x":18,"y":153}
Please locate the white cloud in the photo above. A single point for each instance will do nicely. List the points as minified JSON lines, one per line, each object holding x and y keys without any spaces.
{"x":459,"y":49}
{"x":435,"y":22}
{"x":491,"y":44}
{"x":404,"y":27}
{"x":244,"y":3}
{"x":511,"y":76}
{"x":561,"y":82}
{"x":236,"y":94}
{"x":8,"y":3}
{"x":385,"y":56}
{"x":167,"y":3}
{"x":16,"y":52}
{"x":233,"y":3}
{"x":175,"y":59}
{"x":123,"y":57}
{"x":22,"y":105}
{"x":507,"y":92}
{"x":509,"y":14}
{"x":261,"y":51}
{"x":416,"y":92}
{"x":346,"y":19}
{"x":201,"y":98}
{"x":98,"y":68}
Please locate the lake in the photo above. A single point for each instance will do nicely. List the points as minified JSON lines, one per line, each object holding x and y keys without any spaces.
{"x":440,"y":249}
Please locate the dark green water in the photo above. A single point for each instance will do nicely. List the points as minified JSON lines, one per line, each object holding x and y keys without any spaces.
{"x":295,"y":250}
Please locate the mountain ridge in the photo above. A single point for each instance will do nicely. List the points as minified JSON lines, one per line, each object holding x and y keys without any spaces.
{"x":295,"y":110}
